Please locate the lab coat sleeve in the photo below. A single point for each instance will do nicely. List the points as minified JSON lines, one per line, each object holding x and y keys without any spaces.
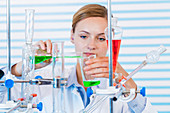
{"x":141,"y":105}
{"x":3,"y":89}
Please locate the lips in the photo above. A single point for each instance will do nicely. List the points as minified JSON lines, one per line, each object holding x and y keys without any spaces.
{"x":88,"y":54}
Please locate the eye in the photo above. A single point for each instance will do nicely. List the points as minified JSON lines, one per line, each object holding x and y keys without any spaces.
{"x":83,"y":37}
{"x":102,"y":39}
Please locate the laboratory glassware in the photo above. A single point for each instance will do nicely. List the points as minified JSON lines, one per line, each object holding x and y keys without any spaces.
{"x":42,"y":56}
{"x":118,"y":90}
{"x":151,"y":57}
{"x":28,"y":49}
{"x":88,"y":81}
{"x":116,"y":41}
{"x":58,"y":91}
{"x":29,"y":25}
{"x":101,"y":95}
{"x":64,"y":64}
{"x":28,"y":53}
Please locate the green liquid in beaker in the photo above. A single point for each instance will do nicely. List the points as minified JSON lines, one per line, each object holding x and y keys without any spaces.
{"x":91,"y":83}
{"x":39,"y":59}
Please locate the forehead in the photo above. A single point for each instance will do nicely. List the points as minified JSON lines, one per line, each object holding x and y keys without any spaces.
{"x":92,"y":24}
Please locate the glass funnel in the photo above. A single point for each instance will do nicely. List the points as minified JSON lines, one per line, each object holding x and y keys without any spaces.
{"x":116,"y":41}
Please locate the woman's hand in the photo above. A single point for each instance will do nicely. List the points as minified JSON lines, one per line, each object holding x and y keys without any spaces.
{"x":44,"y":46}
{"x":42,"y":49}
{"x":99,"y":68}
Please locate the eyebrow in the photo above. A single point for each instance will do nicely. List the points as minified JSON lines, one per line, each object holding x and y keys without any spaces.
{"x":89,"y":33}
{"x":100,"y":34}
{"x":85,"y":32}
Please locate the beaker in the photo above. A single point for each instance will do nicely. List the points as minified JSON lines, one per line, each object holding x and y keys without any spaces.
{"x":42,"y":58}
{"x":88,"y":81}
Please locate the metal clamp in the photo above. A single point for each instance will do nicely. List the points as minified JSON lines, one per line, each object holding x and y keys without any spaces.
{"x":58,"y":82}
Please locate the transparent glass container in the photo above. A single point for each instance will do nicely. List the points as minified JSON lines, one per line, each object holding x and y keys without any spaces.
{"x":28,"y":56}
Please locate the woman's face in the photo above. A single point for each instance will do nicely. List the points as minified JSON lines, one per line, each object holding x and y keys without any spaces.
{"x":89,"y":36}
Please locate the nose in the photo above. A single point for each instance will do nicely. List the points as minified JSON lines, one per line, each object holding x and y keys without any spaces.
{"x":91,"y":44}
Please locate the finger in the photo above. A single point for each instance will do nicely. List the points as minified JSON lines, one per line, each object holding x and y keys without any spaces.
{"x":96,"y":65}
{"x":48,"y":45}
{"x":97,"y":71}
{"x":102,"y":75}
{"x":89,"y":77}
{"x":41,"y":44}
{"x":94,"y":60}
{"x":42,"y":64}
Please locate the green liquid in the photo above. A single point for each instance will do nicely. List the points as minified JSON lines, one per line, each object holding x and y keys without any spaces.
{"x":39,"y":59}
{"x":91,"y":83}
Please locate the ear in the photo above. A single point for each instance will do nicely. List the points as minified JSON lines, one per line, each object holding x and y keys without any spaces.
{"x":72,"y":36}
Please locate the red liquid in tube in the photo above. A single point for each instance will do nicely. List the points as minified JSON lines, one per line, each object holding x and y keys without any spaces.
{"x":115,"y":52}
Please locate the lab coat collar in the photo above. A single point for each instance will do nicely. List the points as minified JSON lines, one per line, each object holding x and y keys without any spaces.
{"x":76,"y":87}
{"x":72,"y":79}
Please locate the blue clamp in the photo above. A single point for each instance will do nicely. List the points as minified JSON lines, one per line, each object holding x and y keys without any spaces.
{"x":40,"y":106}
{"x":142,"y":91}
{"x":38,"y":77}
{"x":89,"y":92}
{"x":9,"y":83}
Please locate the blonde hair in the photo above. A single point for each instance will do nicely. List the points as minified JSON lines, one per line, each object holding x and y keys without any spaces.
{"x":90,"y":10}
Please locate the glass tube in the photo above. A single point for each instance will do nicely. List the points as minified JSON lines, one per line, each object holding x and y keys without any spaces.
{"x":151,"y":57}
{"x":29,"y":25}
{"x":58,"y":74}
{"x":28,"y":54}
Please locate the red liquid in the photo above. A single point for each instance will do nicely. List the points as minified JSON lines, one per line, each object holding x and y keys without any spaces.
{"x":115,"y":52}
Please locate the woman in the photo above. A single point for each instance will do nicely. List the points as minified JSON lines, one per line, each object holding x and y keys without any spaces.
{"x":88,"y":36}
